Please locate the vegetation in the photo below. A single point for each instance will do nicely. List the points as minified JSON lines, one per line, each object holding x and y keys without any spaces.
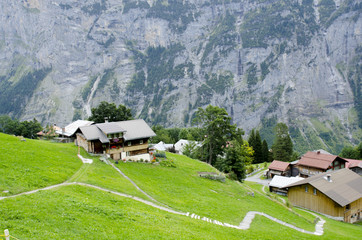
{"x":352,"y":152}
{"x":267,"y":23}
{"x":32,"y":164}
{"x":261,"y":149}
{"x":283,"y":146}
{"x":27,"y":129}
{"x":97,"y":214}
{"x":109,"y":111}
{"x":19,"y":87}
{"x":177,"y":13}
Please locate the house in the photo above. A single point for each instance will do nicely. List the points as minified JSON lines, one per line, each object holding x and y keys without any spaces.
{"x":313,"y":163}
{"x":68,"y":133}
{"x":278,"y":183}
{"x":179,"y":146}
{"x":337,"y":194}
{"x":161,"y":146}
{"x":49,"y":132}
{"x":278,"y":168}
{"x":121,"y":140}
{"x":355,"y":165}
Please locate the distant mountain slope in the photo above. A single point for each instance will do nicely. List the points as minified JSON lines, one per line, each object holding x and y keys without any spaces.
{"x":263,"y":60}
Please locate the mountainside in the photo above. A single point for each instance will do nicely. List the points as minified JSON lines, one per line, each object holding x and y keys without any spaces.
{"x":263,"y":60}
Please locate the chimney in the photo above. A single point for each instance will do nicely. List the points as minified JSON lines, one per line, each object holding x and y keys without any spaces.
{"x":318,"y":152}
{"x":105,"y":119}
{"x":63,"y":130}
{"x":329,"y":177}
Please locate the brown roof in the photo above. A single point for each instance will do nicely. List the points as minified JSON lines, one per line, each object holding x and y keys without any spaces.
{"x":317,"y":160}
{"x":354,"y":163}
{"x":345,"y":185}
{"x":278,"y":165}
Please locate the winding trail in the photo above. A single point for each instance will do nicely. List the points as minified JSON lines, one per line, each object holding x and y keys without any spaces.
{"x":244,"y":225}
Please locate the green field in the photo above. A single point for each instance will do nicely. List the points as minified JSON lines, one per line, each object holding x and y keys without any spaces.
{"x":81,"y":212}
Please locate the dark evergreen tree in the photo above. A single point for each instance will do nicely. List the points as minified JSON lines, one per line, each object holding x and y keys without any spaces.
{"x":258,"y":151}
{"x":283,"y":146}
{"x":265,"y":151}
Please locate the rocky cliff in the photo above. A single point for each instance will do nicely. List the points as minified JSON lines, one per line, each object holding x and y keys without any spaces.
{"x":263,"y":60}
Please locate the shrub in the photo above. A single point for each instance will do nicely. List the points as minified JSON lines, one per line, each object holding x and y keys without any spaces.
{"x":232,"y":176}
{"x":160,"y":154}
{"x":168,"y":163}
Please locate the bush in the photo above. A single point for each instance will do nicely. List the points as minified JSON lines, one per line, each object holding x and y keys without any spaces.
{"x":213,"y":176}
{"x":160,"y":154}
{"x":232,"y":176}
{"x":167,"y":163}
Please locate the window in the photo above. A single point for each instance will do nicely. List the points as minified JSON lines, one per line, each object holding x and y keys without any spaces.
{"x":129,"y":144}
{"x":348,"y":207}
{"x":141,"y":141}
{"x":315,"y":191}
{"x":306,"y":188}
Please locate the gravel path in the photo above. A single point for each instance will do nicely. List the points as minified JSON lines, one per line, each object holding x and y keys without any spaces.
{"x":256,"y":178}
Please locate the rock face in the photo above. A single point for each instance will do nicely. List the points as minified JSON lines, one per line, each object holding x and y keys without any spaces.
{"x":264,"y":61}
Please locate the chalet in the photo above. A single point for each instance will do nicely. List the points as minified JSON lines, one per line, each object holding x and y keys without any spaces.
{"x":278,"y":183}
{"x":355,"y":165}
{"x":68,"y":133}
{"x":121,"y":140}
{"x":337,"y":194}
{"x":49,"y":132}
{"x":278,"y":168}
{"x":313,"y":163}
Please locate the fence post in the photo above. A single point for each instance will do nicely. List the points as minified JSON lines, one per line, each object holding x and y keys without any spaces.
{"x":7,"y":235}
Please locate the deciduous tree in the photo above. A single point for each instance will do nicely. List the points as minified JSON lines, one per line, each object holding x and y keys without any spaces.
{"x":110,"y":112}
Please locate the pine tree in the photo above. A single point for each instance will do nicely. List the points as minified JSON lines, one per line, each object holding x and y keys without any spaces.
{"x":265,"y":151}
{"x":283,"y":146}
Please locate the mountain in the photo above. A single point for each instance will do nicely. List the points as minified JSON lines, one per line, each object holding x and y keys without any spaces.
{"x":263,"y":60}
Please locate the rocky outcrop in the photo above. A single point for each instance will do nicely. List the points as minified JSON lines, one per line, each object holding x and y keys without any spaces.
{"x":264,"y":61}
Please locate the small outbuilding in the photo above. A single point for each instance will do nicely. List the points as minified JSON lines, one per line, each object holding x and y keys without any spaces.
{"x":278,"y":168}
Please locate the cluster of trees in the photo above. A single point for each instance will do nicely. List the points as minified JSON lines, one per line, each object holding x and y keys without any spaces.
{"x":261,"y":149}
{"x":223,"y":145}
{"x":109,"y":111}
{"x":27,"y":129}
{"x":352,"y":152}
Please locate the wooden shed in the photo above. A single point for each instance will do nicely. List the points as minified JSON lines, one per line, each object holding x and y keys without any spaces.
{"x":337,"y":194}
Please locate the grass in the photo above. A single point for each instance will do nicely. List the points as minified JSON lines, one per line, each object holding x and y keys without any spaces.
{"x":32,"y":164}
{"x":182,"y":189}
{"x":79,"y":212}
{"x":100,"y":174}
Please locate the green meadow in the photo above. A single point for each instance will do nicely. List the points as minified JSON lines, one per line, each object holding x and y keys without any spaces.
{"x":81,"y":212}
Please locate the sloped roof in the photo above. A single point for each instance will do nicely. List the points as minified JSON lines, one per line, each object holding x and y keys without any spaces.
{"x":132,"y":129}
{"x":354,"y":163}
{"x":92,"y":132}
{"x":110,"y":127}
{"x":72,"y":128}
{"x":278,"y":165}
{"x":161,"y":146}
{"x":136,"y":129}
{"x":317,"y":160}
{"x":281,"y":182}
{"x":345,"y":185}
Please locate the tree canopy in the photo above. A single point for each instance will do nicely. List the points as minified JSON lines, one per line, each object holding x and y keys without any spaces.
{"x":217,"y":128}
{"x":109,"y":111}
{"x":27,"y":129}
{"x":283,"y":146}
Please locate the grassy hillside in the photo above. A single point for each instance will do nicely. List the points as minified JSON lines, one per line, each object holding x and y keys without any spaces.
{"x":32,"y":164}
{"x":80,"y":212}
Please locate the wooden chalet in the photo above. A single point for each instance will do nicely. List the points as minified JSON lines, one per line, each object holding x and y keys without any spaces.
{"x":337,"y":194}
{"x":313,"y":163}
{"x":126,"y":140}
{"x":278,"y":168}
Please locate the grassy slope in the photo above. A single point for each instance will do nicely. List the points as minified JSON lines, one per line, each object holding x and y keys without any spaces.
{"x":32,"y":164}
{"x":80,"y":212}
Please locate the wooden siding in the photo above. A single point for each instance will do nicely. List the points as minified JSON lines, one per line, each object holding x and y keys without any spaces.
{"x":319,"y":202}
{"x":354,"y":213}
{"x":82,"y":142}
